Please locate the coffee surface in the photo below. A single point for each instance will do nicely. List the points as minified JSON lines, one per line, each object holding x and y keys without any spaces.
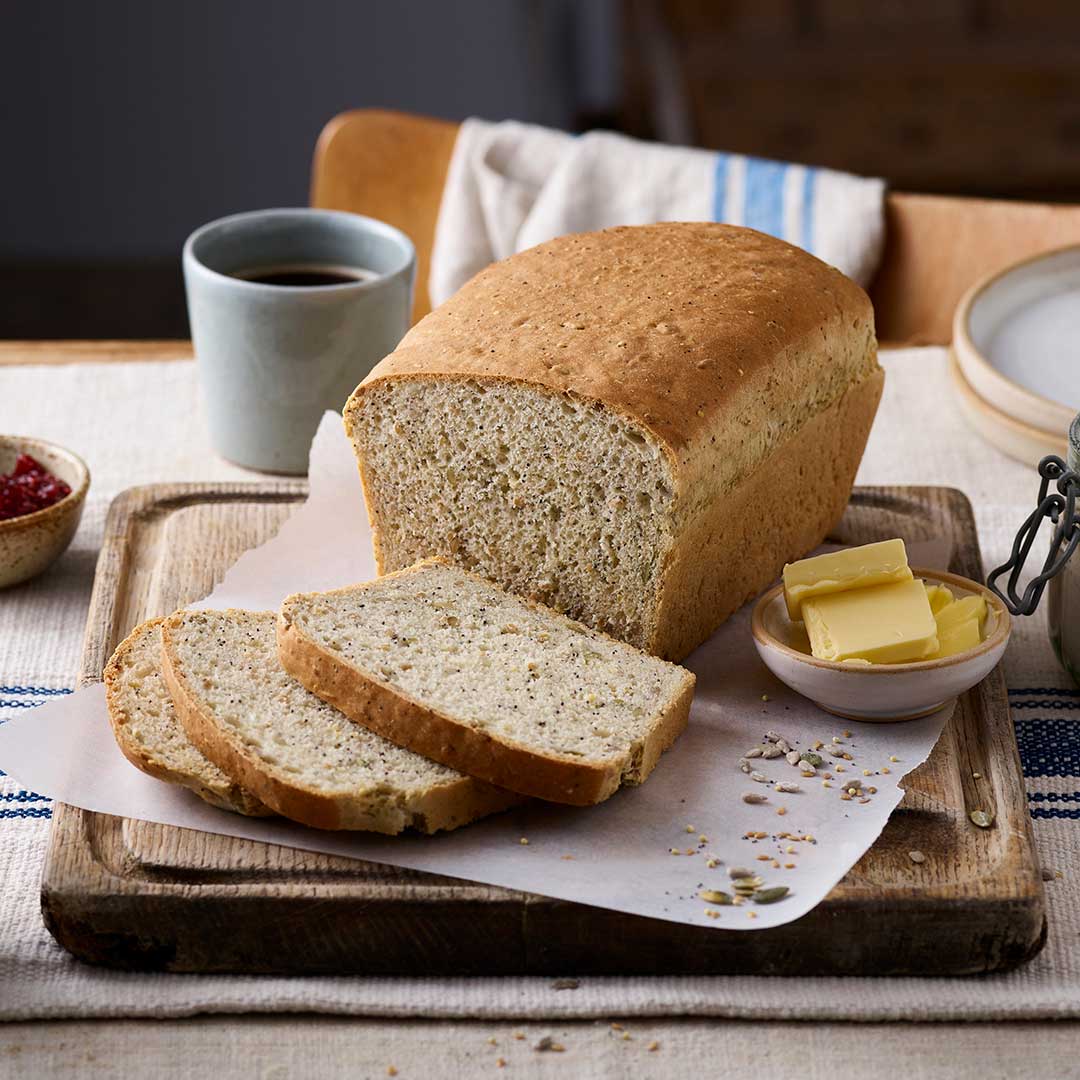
{"x":305,"y":275}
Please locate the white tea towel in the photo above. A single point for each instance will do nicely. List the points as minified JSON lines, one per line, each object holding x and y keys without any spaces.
{"x":513,"y":185}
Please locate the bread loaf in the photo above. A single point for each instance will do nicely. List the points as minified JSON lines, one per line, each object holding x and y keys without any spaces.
{"x":449,"y":665}
{"x":638,"y":427}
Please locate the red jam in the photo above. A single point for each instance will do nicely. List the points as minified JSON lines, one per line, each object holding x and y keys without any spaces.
{"x":29,"y":487}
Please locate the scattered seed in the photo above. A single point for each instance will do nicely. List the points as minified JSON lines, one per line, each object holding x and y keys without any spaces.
{"x":784,"y":745}
{"x":763,"y":858}
{"x":864,"y":800}
{"x":737,"y":873}
{"x":500,"y":1063}
{"x":754,"y":751}
{"x":771,"y":752}
{"x":565,"y":984}
{"x":787,"y":788}
{"x":846,"y":797}
{"x":547,"y":1043}
{"x":825,"y":783}
{"x":811,"y":758}
{"x":789,"y":866}
{"x":616,"y":1026}
{"x":391,"y":1071}
{"x":835,"y":740}
{"x":853,"y":784}
{"x":674,"y":851}
{"x":840,"y":768}
{"x":761,"y":778}
{"x":702,"y":838}
{"x":976,"y":776}
{"x":764,"y":697}
{"x":492,"y":1041}
{"x":872,"y":790}
{"x":983,"y":818}
{"x":744,"y":765}
{"x":893,"y":757}
{"x":773,"y":736}
{"x":770,"y":896}
{"x":714,"y":896}
{"x":847,"y":734}
{"x":654,"y":1045}
{"x":791,"y":849}
{"x":809,"y":839}
{"x":916,"y":856}
{"x":519,"y":1035}
{"x":751,"y":914}
{"x":817,"y":744}
{"x":690,"y":851}
{"x":886,"y":770}
{"x":867,"y":772}
{"x":626,"y":1036}
{"x":524,"y":841}
{"x":793,"y":757}
{"x":754,"y":797}
{"x":834,"y":751}
{"x":781,"y":810}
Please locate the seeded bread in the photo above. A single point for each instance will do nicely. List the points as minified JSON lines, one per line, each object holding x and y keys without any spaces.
{"x":295,"y":752}
{"x":638,"y":427}
{"x":148,"y":732}
{"x":451,"y":666}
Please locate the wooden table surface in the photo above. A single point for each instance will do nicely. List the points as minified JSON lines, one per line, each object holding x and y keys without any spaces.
{"x":284,"y":1046}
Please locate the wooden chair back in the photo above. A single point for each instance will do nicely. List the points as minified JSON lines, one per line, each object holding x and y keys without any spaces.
{"x":393,"y":165}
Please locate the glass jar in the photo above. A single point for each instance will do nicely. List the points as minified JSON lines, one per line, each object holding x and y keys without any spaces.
{"x":1064,"y":597}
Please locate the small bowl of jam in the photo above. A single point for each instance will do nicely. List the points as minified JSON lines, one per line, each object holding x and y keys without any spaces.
{"x":42,"y":491}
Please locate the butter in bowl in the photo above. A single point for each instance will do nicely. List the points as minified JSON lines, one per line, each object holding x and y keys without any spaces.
{"x":866,"y":637}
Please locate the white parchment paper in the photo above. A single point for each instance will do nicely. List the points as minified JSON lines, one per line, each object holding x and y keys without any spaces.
{"x":617,"y":855}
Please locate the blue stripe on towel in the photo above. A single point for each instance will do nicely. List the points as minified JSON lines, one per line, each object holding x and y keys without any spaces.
{"x":720,"y":179}
{"x":1054,"y":796}
{"x":1045,"y":691}
{"x":37,"y":691}
{"x":1054,"y":812}
{"x":44,"y":812}
{"x":765,"y":196}
{"x":806,"y":233}
{"x":1049,"y":747}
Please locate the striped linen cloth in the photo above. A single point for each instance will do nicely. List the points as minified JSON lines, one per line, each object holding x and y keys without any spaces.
{"x":513,"y":185}
{"x":155,"y":433}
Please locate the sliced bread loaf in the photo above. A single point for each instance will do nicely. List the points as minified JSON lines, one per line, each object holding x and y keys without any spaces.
{"x":298,"y":754}
{"x":592,"y":423}
{"x":451,"y":666}
{"x":148,"y":732}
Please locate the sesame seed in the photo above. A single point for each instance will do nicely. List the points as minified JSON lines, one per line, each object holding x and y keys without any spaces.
{"x":524,"y":841}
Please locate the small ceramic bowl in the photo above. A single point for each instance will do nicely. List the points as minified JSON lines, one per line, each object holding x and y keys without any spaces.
{"x":30,"y":543}
{"x":880,"y":692}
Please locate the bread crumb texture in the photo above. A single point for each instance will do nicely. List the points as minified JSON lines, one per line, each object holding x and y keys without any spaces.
{"x":521,"y":673}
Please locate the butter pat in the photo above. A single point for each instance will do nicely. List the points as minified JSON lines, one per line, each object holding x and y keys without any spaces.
{"x":882,"y":624}
{"x":841,"y":571}
{"x":959,"y":625}
{"x":938,"y":595}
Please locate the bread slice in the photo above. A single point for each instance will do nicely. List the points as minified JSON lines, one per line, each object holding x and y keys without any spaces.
{"x":295,"y":752}
{"x":148,"y":732}
{"x":453,"y":667}
{"x":592,"y":423}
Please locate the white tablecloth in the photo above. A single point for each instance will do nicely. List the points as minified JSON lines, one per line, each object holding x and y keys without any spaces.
{"x":139,"y":423}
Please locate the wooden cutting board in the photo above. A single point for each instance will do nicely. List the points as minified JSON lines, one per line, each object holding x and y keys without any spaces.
{"x":136,"y":895}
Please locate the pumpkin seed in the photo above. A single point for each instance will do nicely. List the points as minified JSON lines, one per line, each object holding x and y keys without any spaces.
{"x":770,"y":896}
{"x":714,"y":896}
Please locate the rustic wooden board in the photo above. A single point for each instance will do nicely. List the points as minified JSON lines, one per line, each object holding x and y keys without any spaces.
{"x":132,"y":894}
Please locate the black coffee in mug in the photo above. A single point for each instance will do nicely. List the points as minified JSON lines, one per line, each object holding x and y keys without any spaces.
{"x":304,"y":275}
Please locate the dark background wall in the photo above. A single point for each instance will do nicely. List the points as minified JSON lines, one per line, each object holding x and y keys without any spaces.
{"x":126,"y":123}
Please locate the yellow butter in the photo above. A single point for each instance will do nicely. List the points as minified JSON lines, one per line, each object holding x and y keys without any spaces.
{"x":840,"y":571}
{"x":884,"y":624}
{"x":938,"y":595}
{"x":958,"y":638}
{"x":959,"y":611}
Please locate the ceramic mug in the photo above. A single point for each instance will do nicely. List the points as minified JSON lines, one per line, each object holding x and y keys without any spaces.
{"x":273,"y":358}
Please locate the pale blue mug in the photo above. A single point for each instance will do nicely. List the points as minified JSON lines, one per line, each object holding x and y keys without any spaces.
{"x":273,"y":358}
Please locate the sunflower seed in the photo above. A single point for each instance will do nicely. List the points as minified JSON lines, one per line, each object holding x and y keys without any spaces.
{"x":744,"y":765}
{"x":834,"y":751}
{"x":983,"y":818}
{"x":771,"y":752}
{"x":754,"y":751}
{"x":772,"y":736}
{"x":793,"y":757}
{"x":753,"y":797}
{"x":784,"y":745}
{"x":761,"y":778}
{"x":715,"y":896}
{"x":787,"y":788}
{"x":770,"y":896}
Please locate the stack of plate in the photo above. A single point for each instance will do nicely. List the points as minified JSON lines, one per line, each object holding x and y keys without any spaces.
{"x":1016,"y":355}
